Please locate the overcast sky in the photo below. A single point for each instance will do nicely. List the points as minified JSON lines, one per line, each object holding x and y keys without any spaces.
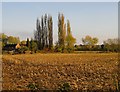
{"x":97,"y":19}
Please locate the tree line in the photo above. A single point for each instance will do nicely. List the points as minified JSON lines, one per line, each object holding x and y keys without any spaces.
{"x":43,"y":38}
{"x":8,"y":39}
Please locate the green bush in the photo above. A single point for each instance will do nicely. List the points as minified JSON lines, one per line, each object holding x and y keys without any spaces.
{"x":69,"y":50}
{"x":64,"y":88}
{"x":32,"y":86}
{"x":23,"y":49}
{"x":57,"y":49}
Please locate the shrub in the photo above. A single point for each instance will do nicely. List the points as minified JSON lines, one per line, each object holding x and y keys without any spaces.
{"x":64,"y":88}
{"x":23,"y":49}
{"x":32,"y":86}
{"x":69,"y":50}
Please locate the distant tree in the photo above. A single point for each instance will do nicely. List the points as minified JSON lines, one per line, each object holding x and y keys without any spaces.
{"x":8,"y":39}
{"x":33,"y":46}
{"x":23,"y":42}
{"x":64,"y":40}
{"x":4,"y":39}
{"x":28,"y":43}
{"x":111,"y":45}
{"x":13,"y":40}
{"x":61,"y":31}
{"x":43,"y":34}
{"x":63,"y":26}
{"x":89,"y":41}
{"x":50,"y":32}
{"x":70,"y":40}
{"x":64,"y":36}
{"x":3,"y":36}
{"x":23,"y":49}
{"x":46,"y":31}
{"x":38,"y":34}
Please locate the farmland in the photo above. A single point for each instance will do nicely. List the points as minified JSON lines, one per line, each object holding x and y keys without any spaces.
{"x":84,"y":71}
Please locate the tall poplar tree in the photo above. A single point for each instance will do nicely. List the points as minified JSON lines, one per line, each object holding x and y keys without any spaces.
{"x":61,"y":31}
{"x":50,"y":31}
{"x":44,"y":32}
{"x":38,"y":34}
{"x":70,"y":40}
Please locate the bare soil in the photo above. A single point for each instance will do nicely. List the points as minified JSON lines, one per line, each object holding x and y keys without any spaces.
{"x":85,"y":71}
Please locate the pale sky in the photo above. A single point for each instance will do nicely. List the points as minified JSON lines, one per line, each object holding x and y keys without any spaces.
{"x":97,"y":19}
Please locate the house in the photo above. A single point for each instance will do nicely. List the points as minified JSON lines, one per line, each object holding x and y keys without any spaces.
{"x":11,"y":47}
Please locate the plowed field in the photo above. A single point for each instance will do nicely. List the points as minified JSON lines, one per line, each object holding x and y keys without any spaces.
{"x":84,"y":71}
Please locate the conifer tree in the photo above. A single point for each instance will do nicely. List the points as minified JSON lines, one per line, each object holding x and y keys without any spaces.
{"x":28,"y":43}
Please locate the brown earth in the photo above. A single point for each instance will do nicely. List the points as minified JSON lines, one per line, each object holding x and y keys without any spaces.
{"x":85,"y":71}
